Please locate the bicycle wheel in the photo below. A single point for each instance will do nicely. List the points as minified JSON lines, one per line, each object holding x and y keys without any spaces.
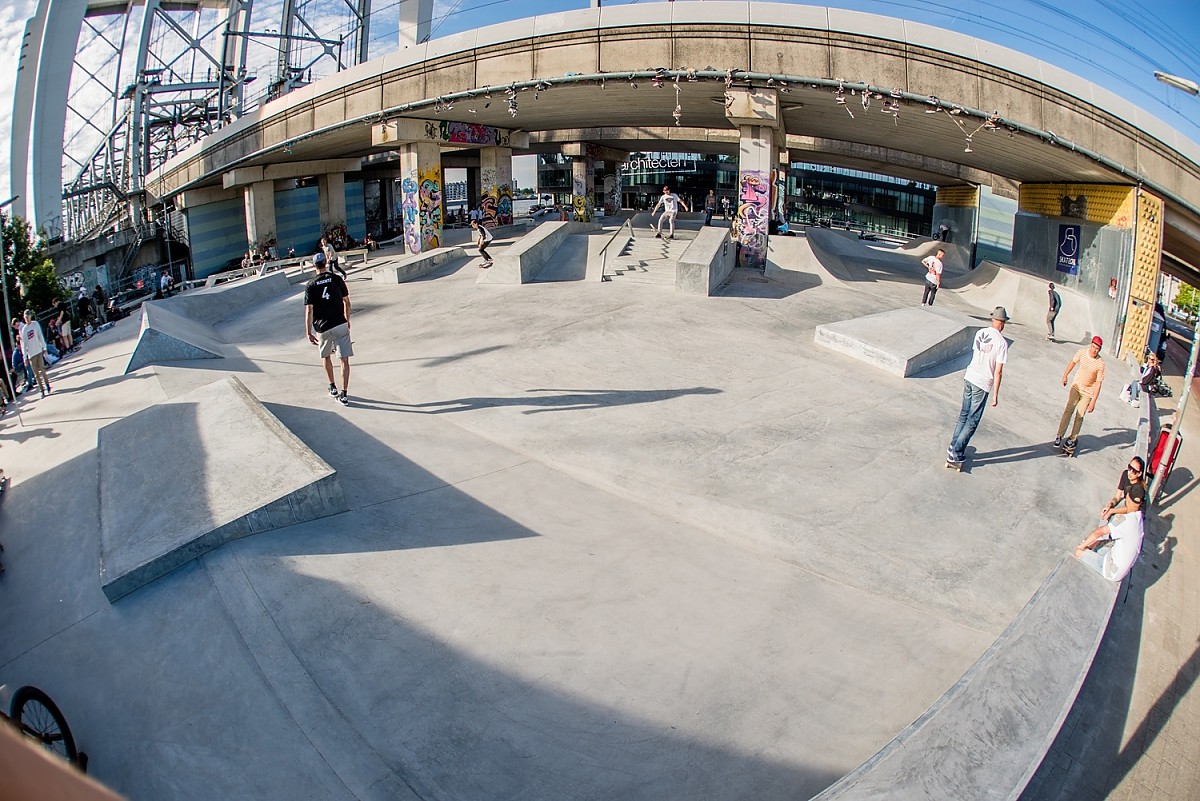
{"x":40,"y":719}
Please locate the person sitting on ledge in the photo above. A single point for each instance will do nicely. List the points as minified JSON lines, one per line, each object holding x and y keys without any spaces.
{"x":1114,"y":546}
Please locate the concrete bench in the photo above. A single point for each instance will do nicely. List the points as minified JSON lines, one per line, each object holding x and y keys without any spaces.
{"x":230,"y":275}
{"x":706,"y":262}
{"x":362,"y":253}
{"x":409,"y":268}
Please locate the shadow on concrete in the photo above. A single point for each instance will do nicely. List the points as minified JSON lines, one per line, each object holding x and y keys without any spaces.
{"x":24,"y":434}
{"x":116,"y":379}
{"x":450,"y":714}
{"x":1177,"y":485}
{"x":744,"y":283}
{"x":566,"y":400}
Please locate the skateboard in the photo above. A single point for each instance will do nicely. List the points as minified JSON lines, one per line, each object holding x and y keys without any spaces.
{"x":954,"y":465}
{"x":1067,"y":451}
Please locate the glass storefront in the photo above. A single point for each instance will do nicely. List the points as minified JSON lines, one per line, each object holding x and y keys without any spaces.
{"x":816,"y":194}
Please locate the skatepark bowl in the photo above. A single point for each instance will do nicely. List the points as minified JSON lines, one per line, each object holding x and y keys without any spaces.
{"x":570,"y":539}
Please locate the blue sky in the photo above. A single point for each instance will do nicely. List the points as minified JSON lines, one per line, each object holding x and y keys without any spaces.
{"x":1115,"y":43}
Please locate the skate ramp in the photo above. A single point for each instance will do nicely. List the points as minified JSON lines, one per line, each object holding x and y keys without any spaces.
{"x":179,"y":328}
{"x":957,"y":258}
{"x":902,"y":342}
{"x":181,"y":478}
{"x":850,"y":259}
{"x":170,"y":337}
{"x":1024,"y":295}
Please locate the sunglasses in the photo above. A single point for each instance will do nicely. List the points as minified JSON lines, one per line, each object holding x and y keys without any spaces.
{"x":1133,"y":469}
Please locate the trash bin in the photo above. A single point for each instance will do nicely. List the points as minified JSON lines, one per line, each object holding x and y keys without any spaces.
{"x":1160,"y":447}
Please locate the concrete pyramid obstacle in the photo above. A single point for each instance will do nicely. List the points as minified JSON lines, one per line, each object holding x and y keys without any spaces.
{"x":183,"y":477}
{"x":170,"y":337}
{"x":903,"y":342}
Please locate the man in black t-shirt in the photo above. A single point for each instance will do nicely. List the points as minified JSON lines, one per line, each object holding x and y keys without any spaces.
{"x":327,"y":313}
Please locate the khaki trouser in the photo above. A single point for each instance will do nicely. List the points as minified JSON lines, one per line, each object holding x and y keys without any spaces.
{"x":37,"y":363}
{"x":1077,"y":406}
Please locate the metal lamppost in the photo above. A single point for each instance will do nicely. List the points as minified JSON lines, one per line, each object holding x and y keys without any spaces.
{"x":1192,"y":88}
{"x":8,"y":380}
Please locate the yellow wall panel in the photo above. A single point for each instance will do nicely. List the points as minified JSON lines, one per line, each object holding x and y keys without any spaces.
{"x":958,"y":196}
{"x":1105,"y":204}
{"x":1147,"y":253}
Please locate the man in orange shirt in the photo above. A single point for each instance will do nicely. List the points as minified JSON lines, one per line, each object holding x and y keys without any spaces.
{"x":1085,"y":390}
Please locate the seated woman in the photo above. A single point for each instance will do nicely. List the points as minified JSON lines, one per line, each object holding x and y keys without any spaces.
{"x":1114,"y":546}
{"x":1150,"y":373}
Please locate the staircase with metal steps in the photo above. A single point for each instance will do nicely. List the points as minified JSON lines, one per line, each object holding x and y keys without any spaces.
{"x":648,"y":260}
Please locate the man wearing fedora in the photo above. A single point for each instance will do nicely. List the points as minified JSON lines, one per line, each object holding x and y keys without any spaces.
{"x":1082,"y":396}
{"x":989,"y":354}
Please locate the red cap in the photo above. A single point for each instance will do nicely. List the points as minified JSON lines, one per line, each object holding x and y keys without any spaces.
{"x":1098,"y":342}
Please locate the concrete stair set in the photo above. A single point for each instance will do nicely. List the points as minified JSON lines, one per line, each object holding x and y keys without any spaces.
{"x":648,"y":260}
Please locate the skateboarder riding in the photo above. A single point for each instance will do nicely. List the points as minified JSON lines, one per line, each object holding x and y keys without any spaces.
{"x":989,"y":354}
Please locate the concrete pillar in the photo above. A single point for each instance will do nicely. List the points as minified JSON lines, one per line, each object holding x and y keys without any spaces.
{"x":779,"y":188}
{"x":612,"y":187}
{"x":496,"y":196}
{"x":756,"y":160}
{"x":421,"y":204}
{"x":474,"y":190}
{"x":583,"y":191}
{"x":331,"y":199}
{"x":260,"y":213}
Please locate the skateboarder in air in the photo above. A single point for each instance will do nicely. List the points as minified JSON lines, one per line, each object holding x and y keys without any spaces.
{"x":989,"y":354}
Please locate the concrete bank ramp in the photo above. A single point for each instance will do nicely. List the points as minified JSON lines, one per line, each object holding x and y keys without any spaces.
{"x":1025,"y":296}
{"x":179,"y":328}
{"x":986,"y":736}
{"x":851,"y":259}
{"x":181,"y":478}
{"x":903,"y":342}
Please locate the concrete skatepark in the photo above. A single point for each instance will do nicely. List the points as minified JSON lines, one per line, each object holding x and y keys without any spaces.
{"x":604,"y":539}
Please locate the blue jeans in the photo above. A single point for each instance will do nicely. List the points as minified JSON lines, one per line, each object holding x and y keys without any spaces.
{"x":973,"y":401}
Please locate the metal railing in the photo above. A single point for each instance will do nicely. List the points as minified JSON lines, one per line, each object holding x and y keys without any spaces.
{"x":604,"y":250}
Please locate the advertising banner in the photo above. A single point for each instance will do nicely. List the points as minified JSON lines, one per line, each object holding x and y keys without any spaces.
{"x":1068,"y":249}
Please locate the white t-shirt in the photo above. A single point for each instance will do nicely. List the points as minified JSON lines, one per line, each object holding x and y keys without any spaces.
{"x":1127,"y":544}
{"x":485,"y":233}
{"x":670,"y":203}
{"x":165,"y":281}
{"x":989,"y":349}
{"x":32,"y":339}
{"x":934,"y":265}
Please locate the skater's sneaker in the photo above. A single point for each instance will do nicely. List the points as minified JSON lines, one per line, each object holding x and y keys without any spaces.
{"x":333,"y":393}
{"x":1068,"y":447}
{"x":342,"y":399}
{"x":1058,"y":442}
{"x":951,"y":456}
{"x":657,"y":235}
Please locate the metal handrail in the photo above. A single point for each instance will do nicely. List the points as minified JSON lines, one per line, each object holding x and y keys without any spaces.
{"x":611,"y":239}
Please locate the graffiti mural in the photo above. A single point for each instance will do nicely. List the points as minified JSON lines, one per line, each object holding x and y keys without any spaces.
{"x":583,"y":199}
{"x":410,"y":211}
{"x":778,"y":193}
{"x":612,"y":193}
{"x":430,"y":199}
{"x":71,"y":281}
{"x":466,"y":133}
{"x":751,"y":219}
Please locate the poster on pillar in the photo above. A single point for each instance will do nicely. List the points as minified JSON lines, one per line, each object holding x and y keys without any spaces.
{"x":750,"y":222}
{"x":430,"y":199}
{"x":1067,"y":260}
{"x":410,"y":209}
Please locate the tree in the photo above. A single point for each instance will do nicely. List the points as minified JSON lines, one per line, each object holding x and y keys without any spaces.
{"x":1188,"y":300}
{"x":25,"y":262}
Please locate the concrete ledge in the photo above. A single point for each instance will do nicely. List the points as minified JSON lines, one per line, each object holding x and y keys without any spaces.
{"x":706,"y":262}
{"x":986,"y":736}
{"x":903,"y":342}
{"x":181,"y":478}
{"x":523,"y":260}
{"x":412,"y":267}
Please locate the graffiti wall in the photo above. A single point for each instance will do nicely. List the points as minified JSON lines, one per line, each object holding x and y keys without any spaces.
{"x":753,"y":213}
{"x":496,"y":199}
{"x":410,"y":212}
{"x":612,"y":193}
{"x":430,"y":200}
{"x":466,"y":133}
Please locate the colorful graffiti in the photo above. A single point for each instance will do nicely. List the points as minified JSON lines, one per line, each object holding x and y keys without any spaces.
{"x":612,"y":193}
{"x":411,"y":212}
{"x":466,"y":133}
{"x":430,"y":199}
{"x":753,"y":213}
{"x":583,"y":200}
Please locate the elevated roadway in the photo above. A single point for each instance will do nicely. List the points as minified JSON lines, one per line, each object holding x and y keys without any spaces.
{"x":1001,"y":118}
